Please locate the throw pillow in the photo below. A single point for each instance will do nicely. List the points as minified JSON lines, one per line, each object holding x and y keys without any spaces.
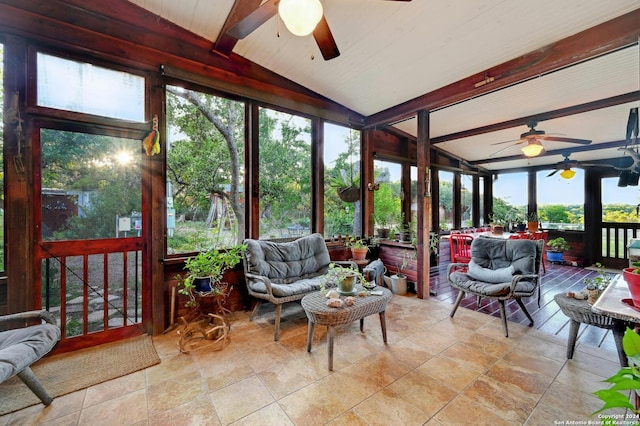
{"x":479,"y":273}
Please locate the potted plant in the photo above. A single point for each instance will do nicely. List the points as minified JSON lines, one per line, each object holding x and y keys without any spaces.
{"x":632,"y":276}
{"x":557,"y":247}
{"x":521,"y":223}
{"x":347,"y":185}
{"x":497,"y":223}
{"x":597,"y":284}
{"x":205,"y":272}
{"x":625,"y":380}
{"x":358,"y":246}
{"x":344,"y":278}
{"x":533,"y":222}
{"x":381,"y":222}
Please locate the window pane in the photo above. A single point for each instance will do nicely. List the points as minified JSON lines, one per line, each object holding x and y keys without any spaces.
{"x":2,"y":242}
{"x":619,"y":204}
{"x":510,"y":198}
{"x":560,"y":200}
{"x":387,"y":200}
{"x":82,"y":87}
{"x":90,"y":186}
{"x":466,"y":198}
{"x":205,"y":203}
{"x":341,"y":179}
{"x":285,"y":175}
{"x":481,"y":196}
{"x":446,"y":200}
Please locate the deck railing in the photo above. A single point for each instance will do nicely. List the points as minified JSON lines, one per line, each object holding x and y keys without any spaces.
{"x":616,"y":238}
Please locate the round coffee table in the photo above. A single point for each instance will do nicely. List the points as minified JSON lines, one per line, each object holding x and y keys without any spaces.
{"x":315,"y":306}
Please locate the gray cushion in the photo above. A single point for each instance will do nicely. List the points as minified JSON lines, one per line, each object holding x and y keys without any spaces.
{"x":285,"y":263}
{"x":20,"y":347}
{"x":301,"y":286}
{"x":500,"y":275}
{"x":466,"y":283}
{"x":495,"y":253}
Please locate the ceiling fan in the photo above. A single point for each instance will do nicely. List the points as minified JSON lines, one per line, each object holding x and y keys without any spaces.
{"x":533,"y":137}
{"x":565,"y":166}
{"x":294,"y":13}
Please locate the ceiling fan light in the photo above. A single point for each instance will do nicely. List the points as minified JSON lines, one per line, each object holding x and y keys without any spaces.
{"x":532,"y":148}
{"x":568,"y":173}
{"x":300,"y":16}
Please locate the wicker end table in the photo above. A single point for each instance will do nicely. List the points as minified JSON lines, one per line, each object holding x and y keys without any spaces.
{"x":315,"y":306}
{"x":580,"y":312}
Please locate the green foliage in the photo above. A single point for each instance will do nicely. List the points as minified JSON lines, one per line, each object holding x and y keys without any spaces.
{"x":619,"y":213}
{"x":559,"y":244}
{"x":625,"y":380}
{"x":356,"y":243}
{"x":555,"y":213}
{"x":600,"y":281}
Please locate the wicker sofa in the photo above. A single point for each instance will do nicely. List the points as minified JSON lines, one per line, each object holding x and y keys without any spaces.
{"x":285,"y":272}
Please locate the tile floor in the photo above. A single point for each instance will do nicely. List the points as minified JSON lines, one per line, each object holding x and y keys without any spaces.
{"x":434,"y":371}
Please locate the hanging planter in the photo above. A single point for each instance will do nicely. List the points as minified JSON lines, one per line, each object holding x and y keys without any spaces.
{"x":349,"y":194}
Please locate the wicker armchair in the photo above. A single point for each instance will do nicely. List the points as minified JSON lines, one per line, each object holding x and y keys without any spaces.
{"x":21,"y":347}
{"x":499,"y":269}
{"x":285,"y":272}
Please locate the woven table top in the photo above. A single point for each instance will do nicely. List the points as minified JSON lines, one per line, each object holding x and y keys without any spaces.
{"x":315,"y":306}
{"x":580,"y":311}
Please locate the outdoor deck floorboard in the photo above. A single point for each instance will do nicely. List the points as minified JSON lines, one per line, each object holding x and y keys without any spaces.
{"x":547,"y":317}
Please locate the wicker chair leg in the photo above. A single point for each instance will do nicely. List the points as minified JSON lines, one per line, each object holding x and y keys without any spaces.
{"x":574,"y":327}
{"x":458,"y":300}
{"x":33,"y":383}
{"x":276,"y":336}
{"x":503,"y":315}
{"x":255,"y":310}
{"x":524,"y":309}
{"x":618,"y":330}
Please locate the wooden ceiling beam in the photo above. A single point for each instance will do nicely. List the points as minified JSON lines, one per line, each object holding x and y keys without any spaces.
{"x":225,"y":42}
{"x":593,"y":42}
{"x":558,"y":113}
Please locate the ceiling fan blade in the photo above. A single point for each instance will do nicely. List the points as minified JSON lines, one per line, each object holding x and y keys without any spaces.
{"x":325,"y":40}
{"x":552,"y":173}
{"x":561,"y":139}
{"x":252,"y":21}
{"x":517,"y":141}
{"x":504,"y":149}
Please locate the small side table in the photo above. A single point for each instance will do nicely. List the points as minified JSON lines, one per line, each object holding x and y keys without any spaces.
{"x":315,"y":306}
{"x":580,"y":312}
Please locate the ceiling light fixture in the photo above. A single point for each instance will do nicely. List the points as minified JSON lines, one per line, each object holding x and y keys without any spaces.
{"x":532,"y":148}
{"x":300,"y":16}
{"x":568,"y":173}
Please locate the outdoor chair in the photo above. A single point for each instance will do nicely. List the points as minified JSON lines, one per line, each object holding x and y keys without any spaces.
{"x":21,"y":347}
{"x":460,"y":247}
{"x":499,"y":269}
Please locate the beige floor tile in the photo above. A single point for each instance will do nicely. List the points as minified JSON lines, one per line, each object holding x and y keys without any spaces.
{"x":272,"y":414}
{"x":423,"y":392}
{"x":60,"y":407}
{"x":115,"y":388}
{"x":446,"y":370}
{"x":466,"y":411}
{"x":349,"y":418}
{"x":240,"y":399}
{"x":512,"y":405}
{"x":289,"y":376}
{"x":267,"y":356}
{"x":175,"y":391}
{"x":315,"y":404}
{"x":387,"y":407}
{"x":113,"y":412}
{"x":470,"y":357}
{"x":198,"y":411}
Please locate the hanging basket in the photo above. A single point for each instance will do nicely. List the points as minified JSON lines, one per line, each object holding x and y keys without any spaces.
{"x":350,"y":194}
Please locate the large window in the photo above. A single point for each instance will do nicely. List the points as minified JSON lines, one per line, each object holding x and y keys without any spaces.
{"x":466,"y":199}
{"x":445,"y":196}
{"x":84,"y":87}
{"x":510,"y":198}
{"x":205,"y":161}
{"x":90,"y":186}
{"x":285,"y":175}
{"x":341,"y":181}
{"x":560,"y":200}
{"x":619,"y":204}
{"x":388,"y":198}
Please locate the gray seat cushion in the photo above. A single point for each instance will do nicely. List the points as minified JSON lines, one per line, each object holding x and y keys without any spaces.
{"x":286,"y":263}
{"x":305,"y":285}
{"x":466,"y":283}
{"x":21,"y":347}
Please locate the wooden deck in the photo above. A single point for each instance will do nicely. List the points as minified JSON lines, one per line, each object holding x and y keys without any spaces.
{"x":547,"y":317}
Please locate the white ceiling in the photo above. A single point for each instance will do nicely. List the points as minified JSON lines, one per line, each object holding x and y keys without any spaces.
{"x":392,"y":52}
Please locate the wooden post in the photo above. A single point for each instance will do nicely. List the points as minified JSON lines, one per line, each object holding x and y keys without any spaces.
{"x":424,"y":204}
